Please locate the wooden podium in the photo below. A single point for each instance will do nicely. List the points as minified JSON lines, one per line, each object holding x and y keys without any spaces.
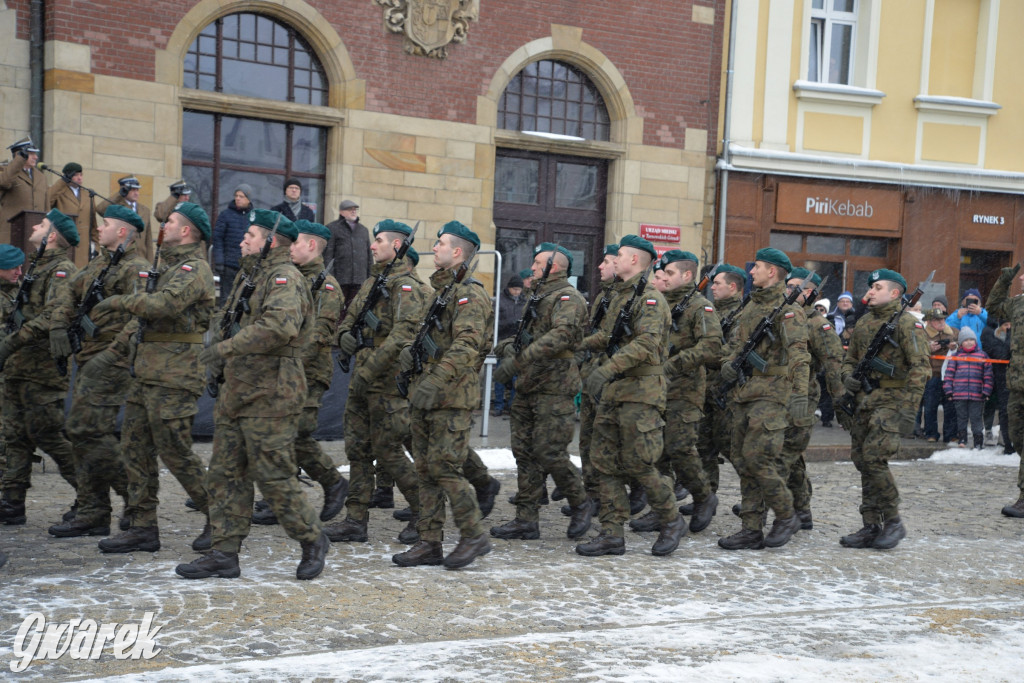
{"x":21,"y":230}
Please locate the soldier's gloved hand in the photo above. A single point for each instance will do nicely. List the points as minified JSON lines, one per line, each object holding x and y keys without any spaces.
{"x":845,"y":421}
{"x":908,"y":421}
{"x":799,"y":408}
{"x":852,"y":384}
{"x":728,"y":373}
{"x":60,"y":345}
{"x":358,"y":384}
{"x":111,"y":303}
{"x":1007,"y":274}
{"x":596,"y":381}
{"x":405,"y":359}
{"x":97,"y":366}
{"x":505,"y":371}
{"x":499,"y":348}
{"x":347,"y":344}
{"x":211,"y":355}
{"x":424,"y":396}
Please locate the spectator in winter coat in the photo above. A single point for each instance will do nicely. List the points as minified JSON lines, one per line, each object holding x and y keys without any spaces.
{"x":231,"y":226}
{"x":969,"y":382}
{"x":996,"y":339}
{"x":510,"y":310}
{"x":970,"y":314}
{"x":292,"y":207}
{"x":941,"y":339}
{"x":349,"y":250}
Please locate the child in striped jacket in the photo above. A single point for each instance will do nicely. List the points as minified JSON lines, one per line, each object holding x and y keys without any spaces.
{"x":968,"y":383}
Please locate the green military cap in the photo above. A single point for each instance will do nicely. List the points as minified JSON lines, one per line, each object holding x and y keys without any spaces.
{"x":802,"y":274}
{"x":551,"y":246}
{"x":123,"y":213}
{"x":889,"y":275}
{"x":313,"y":228}
{"x":525,"y":273}
{"x":775,"y":257}
{"x":388,"y":225}
{"x":265,"y":218}
{"x":71,"y":169}
{"x":637,"y":242}
{"x":729,"y":268}
{"x":611,"y":250}
{"x":10,"y":256}
{"x":65,"y":226}
{"x":459,"y":230}
{"x":413,"y":256}
{"x":196,"y":216}
{"x":673,"y":256}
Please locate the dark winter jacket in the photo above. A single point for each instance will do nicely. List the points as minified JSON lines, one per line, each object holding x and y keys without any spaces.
{"x":349,"y":248}
{"x":996,"y":348}
{"x":231,"y":226}
{"x":510,"y":310}
{"x":285,"y":209}
{"x":968,"y":377}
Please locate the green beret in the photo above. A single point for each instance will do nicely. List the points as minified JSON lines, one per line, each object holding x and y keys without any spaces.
{"x":126,"y":215}
{"x":673,"y":256}
{"x":312,"y":228}
{"x":65,"y":226}
{"x":196,"y":216}
{"x":71,"y":169}
{"x":551,"y":246}
{"x":413,"y":256}
{"x":889,"y":275}
{"x":775,"y":257}
{"x":459,"y":230}
{"x":802,"y":274}
{"x":729,"y":268}
{"x":611,"y":250}
{"x":388,"y":225}
{"x":10,"y":256}
{"x":265,"y":218}
{"x":525,"y":273}
{"x":640,"y":243}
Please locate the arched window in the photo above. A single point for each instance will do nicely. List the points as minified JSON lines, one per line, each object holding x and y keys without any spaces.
{"x":553,"y":97}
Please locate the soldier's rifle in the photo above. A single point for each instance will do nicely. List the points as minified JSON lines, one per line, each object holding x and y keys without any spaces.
{"x":152,"y":278}
{"x":378,"y":292}
{"x":321,"y":278}
{"x":92,"y":193}
{"x":624,"y":321}
{"x":423,"y":345}
{"x":15,"y":319}
{"x":678,"y":310}
{"x":885,"y":336}
{"x":523,"y":336}
{"x":748,"y":357}
{"x":730,"y":319}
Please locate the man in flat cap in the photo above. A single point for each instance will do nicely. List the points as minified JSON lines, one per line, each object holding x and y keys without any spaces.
{"x":349,"y":248}
{"x":68,"y":196}
{"x":128,"y":191}
{"x":22,"y":186}
{"x":765,"y":405}
{"x":161,"y":404}
{"x":99,"y":392}
{"x":887,"y":411}
{"x":33,"y":389}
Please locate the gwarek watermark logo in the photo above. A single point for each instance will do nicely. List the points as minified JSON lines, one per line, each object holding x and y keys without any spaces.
{"x":82,"y":639}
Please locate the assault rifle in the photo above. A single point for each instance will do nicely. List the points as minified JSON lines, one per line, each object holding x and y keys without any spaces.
{"x":624,"y":322}
{"x":15,"y":319}
{"x":423,"y":345}
{"x":231,"y":322}
{"x":378,"y":291}
{"x":680,"y":307}
{"x":152,"y":277}
{"x":730,"y":319}
{"x":321,"y":278}
{"x":523,"y":336}
{"x":886,"y":335}
{"x":747,"y":355}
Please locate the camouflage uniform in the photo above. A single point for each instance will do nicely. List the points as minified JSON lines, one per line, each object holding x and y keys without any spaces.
{"x":1001,"y":306}
{"x":169,"y":379}
{"x":760,"y":406}
{"x":99,"y":462}
{"x":440,"y":435}
{"x":543,"y":412}
{"x":628,"y":425}
{"x":34,"y":392}
{"x":695,"y":338}
{"x":588,"y":409}
{"x":377,"y":418}
{"x":876,"y":429}
{"x":714,"y":433}
{"x":256,"y":415}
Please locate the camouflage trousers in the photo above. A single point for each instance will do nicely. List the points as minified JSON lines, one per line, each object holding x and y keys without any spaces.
{"x":474,"y":470}
{"x":794,"y":444}
{"x":627,"y":443}
{"x":714,"y":439}
{"x":440,"y":446}
{"x":376,"y":425}
{"x":258,"y":450}
{"x":542,"y":427}
{"x":158,"y":428}
{"x":679,"y":460}
{"x":308,"y":453}
{"x":588,"y":410}
{"x":1015,"y":411}
{"x":758,"y":432}
{"x":33,"y":416}
{"x":875,"y":438}
{"x":99,"y":462}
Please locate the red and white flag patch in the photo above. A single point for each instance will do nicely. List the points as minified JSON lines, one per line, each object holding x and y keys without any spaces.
{"x":186,"y":267}
{"x":281,"y":281}
{"x":709,"y":309}
{"x":565,"y":298}
{"x":652,"y":302}
{"x":328,"y":286}
{"x":406,"y":288}
{"x":919,"y":325}
{"x":464,"y":300}
{"x":826,"y":326}
{"x":60,"y":273}
{"x":790,"y":315}
{"x":144,"y":273}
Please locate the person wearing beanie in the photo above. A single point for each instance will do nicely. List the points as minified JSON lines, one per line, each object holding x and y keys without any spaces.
{"x":68,"y":197}
{"x":349,"y":248}
{"x":968,"y":383}
{"x":844,"y":316}
{"x":228,"y":232}
{"x":940,"y":303}
{"x":970,"y":314}
{"x":292,"y":207}
{"x":510,"y":310}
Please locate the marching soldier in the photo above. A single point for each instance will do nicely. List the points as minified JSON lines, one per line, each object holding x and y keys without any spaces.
{"x":629,"y":389}
{"x":22,"y":186}
{"x":99,"y":392}
{"x":547,"y":380}
{"x":1000,"y":305}
{"x":11,"y":260}
{"x":128,"y":195}
{"x":765,"y":404}
{"x":887,"y":411}
{"x":161,"y":403}
{"x":71,"y":199}
{"x":33,"y":390}
{"x":442,"y":399}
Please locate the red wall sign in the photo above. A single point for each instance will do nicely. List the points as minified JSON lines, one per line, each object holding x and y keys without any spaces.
{"x":660,"y":233}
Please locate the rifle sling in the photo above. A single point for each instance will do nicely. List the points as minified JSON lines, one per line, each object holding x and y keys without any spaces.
{"x":771,"y":371}
{"x":176,"y":337}
{"x":283,"y":352}
{"x":644,"y":371}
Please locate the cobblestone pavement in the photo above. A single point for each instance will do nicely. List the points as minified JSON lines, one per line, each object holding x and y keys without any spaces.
{"x":947,"y":603}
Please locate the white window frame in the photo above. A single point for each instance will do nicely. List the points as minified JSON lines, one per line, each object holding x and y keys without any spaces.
{"x":825,"y":18}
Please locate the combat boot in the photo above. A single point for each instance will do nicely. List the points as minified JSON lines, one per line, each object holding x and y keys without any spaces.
{"x":264,"y":516}
{"x":892,"y":533}
{"x":423,"y":553}
{"x":313,"y":554}
{"x":1015,"y":509}
{"x":349,"y":531}
{"x":806,"y":521}
{"x":145,"y":538}
{"x":668,"y":539}
{"x":703,"y":512}
{"x":637,"y":500}
{"x":214,"y":563}
{"x":567,"y":509}
{"x":12,"y":513}
{"x":581,"y":516}
{"x":403,"y":515}
{"x":410,"y":535}
{"x":485,"y":496}
{"x":863,"y":538}
{"x":602,"y":544}
{"x":782,"y":531}
{"x":687,"y":509}
{"x":204,"y":541}
{"x":71,"y":512}
{"x":556,"y":494}
{"x":334,"y":499}
{"x":383,"y":497}
{"x":467,"y":550}
{"x":517,"y":529}
{"x":649,"y":522}
{"x":680,"y":491}
{"x":191,"y":504}
{"x":78,"y":527}
{"x":745,"y":539}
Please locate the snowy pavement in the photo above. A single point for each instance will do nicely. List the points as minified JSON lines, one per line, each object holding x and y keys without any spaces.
{"x":946,"y":604}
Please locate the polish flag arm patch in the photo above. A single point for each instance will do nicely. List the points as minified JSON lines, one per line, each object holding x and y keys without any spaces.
{"x":564,"y":298}
{"x":280,"y":281}
{"x":186,"y":267}
{"x":144,"y":273}
{"x":328,"y":286}
{"x":60,"y":273}
{"x":406,"y":288}
{"x":463,"y":300}
{"x":709,"y":309}
{"x":826,"y":326}
{"x":652,"y":302}
{"x":790,"y":315}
